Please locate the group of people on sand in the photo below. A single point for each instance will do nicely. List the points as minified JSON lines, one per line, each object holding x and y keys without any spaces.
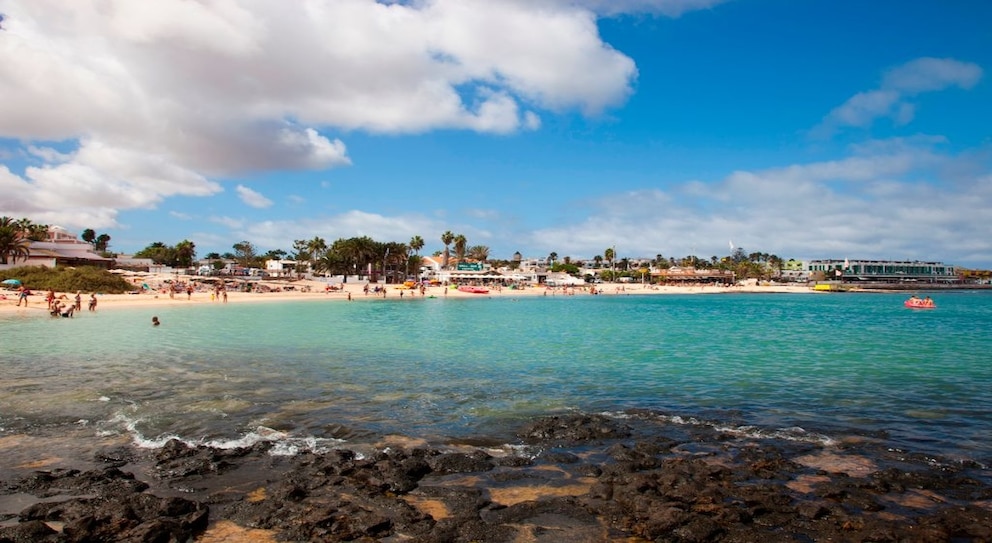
{"x":62,"y":306}
{"x":58,"y":306}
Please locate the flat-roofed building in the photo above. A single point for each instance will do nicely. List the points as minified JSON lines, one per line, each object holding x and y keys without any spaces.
{"x":884,"y":271}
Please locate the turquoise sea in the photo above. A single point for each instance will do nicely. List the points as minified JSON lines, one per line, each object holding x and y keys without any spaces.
{"x":314,"y":374}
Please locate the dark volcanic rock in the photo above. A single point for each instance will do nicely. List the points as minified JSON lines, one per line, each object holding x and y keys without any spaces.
{"x":462,"y":462}
{"x":589,"y":481}
{"x":30,"y":531}
{"x":107,"y":505}
{"x":573,"y":429}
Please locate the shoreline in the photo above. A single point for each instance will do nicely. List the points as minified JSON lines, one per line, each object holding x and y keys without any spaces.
{"x":316,"y":292}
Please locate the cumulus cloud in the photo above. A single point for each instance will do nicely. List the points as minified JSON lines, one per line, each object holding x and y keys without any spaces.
{"x":349,"y":224}
{"x":87,"y":188}
{"x":217,"y":89}
{"x":899,"y":199}
{"x":891,"y":99}
{"x":172,"y":68}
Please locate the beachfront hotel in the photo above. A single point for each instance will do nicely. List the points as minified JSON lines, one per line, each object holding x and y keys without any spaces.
{"x":883,"y":271}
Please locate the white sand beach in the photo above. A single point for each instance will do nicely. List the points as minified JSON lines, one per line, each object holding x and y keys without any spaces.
{"x":355,"y":291}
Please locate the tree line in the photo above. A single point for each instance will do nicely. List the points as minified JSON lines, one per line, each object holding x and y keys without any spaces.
{"x":362,"y":255}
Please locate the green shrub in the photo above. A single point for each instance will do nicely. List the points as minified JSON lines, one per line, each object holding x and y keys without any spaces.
{"x":65,"y":279}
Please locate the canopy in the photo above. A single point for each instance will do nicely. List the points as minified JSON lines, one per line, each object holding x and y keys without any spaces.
{"x":14,"y":282}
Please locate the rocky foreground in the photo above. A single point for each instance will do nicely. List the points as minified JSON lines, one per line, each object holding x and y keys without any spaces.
{"x":580,"y":478}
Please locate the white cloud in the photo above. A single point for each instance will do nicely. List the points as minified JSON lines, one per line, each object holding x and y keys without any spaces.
{"x":931,"y":74}
{"x":898,"y":85}
{"x":280,"y":234}
{"x":900,"y":199}
{"x":669,"y":8}
{"x":230,"y":222}
{"x":252,"y":198}
{"x":216,"y":69}
{"x":216,"y":89}
{"x":88,"y":187}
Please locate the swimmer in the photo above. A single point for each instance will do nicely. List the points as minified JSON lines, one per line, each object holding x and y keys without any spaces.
{"x":155,"y":321}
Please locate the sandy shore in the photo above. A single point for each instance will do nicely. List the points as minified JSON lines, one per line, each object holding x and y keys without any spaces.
{"x":316,"y":291}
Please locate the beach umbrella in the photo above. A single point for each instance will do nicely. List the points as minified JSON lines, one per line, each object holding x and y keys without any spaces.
{"x":11,"y":282}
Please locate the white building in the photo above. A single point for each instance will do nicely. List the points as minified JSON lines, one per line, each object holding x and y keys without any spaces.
{"x":62,"y":248}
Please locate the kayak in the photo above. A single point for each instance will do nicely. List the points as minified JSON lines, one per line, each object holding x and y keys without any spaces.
{"x":474,"y":290}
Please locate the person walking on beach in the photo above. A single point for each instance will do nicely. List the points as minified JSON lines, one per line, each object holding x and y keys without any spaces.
{"x":22,"y":294}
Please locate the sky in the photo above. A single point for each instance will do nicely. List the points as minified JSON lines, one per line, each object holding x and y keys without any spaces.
{"x":800,"y":128}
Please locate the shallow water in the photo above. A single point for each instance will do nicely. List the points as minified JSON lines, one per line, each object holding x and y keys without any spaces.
{"x":310,"y":374}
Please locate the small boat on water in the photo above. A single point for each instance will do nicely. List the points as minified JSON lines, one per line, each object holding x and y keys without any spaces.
{"x":474,"y":290}
{"x":919,"y":303}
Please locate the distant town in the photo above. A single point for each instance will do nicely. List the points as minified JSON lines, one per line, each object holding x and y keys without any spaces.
{"x":25,"y":244}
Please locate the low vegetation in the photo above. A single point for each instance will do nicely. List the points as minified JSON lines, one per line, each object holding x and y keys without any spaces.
{"x":65,"y":279}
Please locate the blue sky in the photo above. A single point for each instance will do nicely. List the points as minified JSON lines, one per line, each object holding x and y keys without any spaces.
{"x":801,"y":128}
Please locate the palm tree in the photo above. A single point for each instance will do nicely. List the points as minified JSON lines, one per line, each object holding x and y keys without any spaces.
{"x":345,"y":253}
{"x":598,"y":259}
{"x":416,"y":243}
{"x":460,"y":246}
{"x":394,"y":253}
{"x":316,"y":247}
{"x":552,"y":257}
{"x":358,"y":253}
{"x":517,"y":258}
{"x":332,"y":263}
{"x":185,"y":253}
{"x":14,"y":244}
{"x":446,"y":239}
{"x":32,"y":231}
{"x":478,"y":252}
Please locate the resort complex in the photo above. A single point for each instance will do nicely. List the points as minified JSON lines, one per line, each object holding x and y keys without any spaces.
{"x":63,"y":248}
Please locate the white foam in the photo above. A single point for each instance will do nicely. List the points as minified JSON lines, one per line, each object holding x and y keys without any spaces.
{"x":283,"y":444}
{"x":794,"y":433}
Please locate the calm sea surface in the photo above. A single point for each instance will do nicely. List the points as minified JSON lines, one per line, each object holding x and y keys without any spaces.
{"x":307,"y":374}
